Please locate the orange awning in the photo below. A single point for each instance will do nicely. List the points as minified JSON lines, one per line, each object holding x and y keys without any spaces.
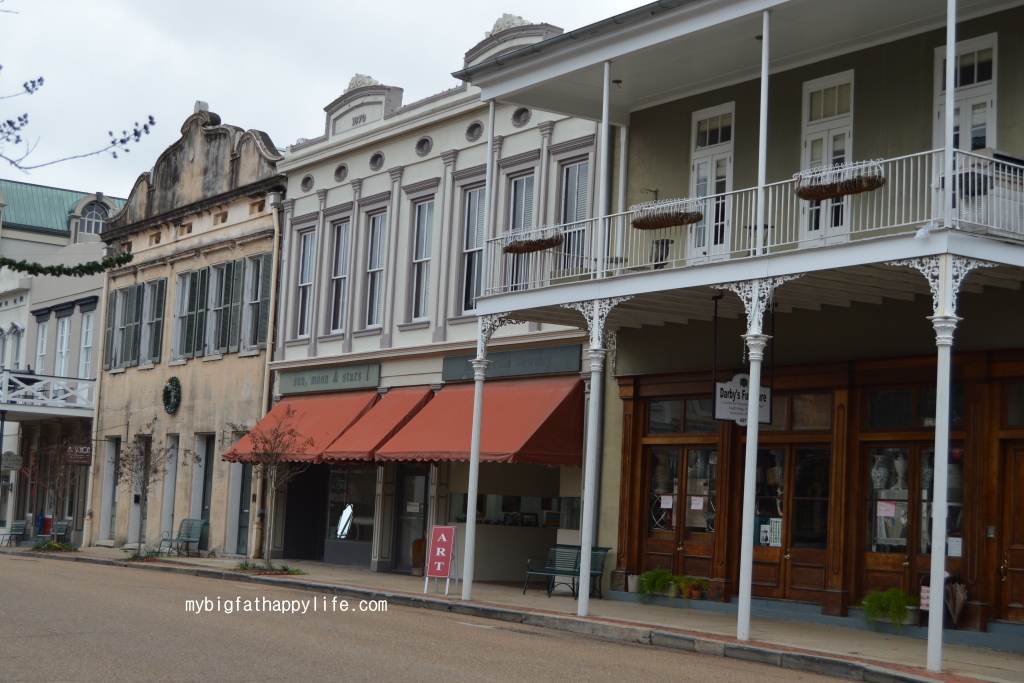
{"x":524,"y":420}
{"x":321,"y":419}
{"x":379,"y":424}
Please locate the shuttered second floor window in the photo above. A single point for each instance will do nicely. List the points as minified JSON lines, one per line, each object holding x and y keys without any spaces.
{"x":375,"y":268}
{"x":521,"y":204}
{"x":422,"y":238}
{"x":472,"y":247}
{"x":304,"y":282}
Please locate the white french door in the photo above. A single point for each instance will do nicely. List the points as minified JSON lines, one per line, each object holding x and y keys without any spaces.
{"x":826,"y":222}
{"x":708,"y":239}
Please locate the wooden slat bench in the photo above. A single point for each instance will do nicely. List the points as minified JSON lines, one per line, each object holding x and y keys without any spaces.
{"x":564,"y":561}
{"x":189,"y":531}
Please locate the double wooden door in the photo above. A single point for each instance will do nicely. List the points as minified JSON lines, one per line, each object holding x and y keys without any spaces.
{"x":791,"y":521}
{"x":1011,"y":567}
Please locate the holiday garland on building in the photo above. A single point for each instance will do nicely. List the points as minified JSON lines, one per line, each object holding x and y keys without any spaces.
{"x":172,"y":395}
{"x":60,"y":270}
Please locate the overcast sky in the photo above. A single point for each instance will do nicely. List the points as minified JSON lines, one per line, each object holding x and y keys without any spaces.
{"x":266,"y":65}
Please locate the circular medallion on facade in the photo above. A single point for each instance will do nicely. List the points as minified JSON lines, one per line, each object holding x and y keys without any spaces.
{"x":521,"y":117}
{"x":341,"y":172}
{"x":424,"y":145}
{"x":377,"y":161}
{"x":474,"y":131}
{"x":307,"y":183}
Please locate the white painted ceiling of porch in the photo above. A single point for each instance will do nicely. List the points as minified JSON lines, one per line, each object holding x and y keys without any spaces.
{"x":870,"y":284}
{"x":802,"y":31}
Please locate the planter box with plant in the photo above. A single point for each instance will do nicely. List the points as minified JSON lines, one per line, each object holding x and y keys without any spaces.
{"x":655,"y":582}
{"x":698,"y":589}
{"x":894,"y":605}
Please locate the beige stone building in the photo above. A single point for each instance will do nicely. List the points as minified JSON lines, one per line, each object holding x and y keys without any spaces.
{"x":194,"y":305}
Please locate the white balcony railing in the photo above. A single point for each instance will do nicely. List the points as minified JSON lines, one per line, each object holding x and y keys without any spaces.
{"x":25,"y":389}
{"x":989,"y":196}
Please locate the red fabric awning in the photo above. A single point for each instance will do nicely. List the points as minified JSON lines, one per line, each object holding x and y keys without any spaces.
{"x":320,"y":418}
{"x":379,"y":424}
{"x":524,"y":420}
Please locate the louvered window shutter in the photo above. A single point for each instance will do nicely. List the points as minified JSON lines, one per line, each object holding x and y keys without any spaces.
{"x":220,"y":336}
{"x":108,"y":340}
{"x":157,"y":331}
{"x":582,"y":176}
{"x":189,"y":323}
{"x":129,"y":326}
{"x":528,"y":203}
{"x":478,"y":228}
{"x":140,"y":296}
{"x":235,"y":318}
{"x":201,"y":298}
{"x":263,"y":331}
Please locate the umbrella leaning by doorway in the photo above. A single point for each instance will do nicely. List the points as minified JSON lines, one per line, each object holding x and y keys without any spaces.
{"x":956,"y":596}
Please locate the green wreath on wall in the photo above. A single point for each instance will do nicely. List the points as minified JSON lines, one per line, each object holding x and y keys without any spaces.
{"x":172,"y":395}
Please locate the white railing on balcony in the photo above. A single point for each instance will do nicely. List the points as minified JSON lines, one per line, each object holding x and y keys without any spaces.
{"x":989,"y":196}
{"x":26,"y":389}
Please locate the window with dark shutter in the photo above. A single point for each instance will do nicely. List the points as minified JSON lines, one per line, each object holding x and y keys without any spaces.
{"x":202,"y":279}
{"x":235,"y":317}
{"x":157,"y":330}
{"x":263,"y":330}
{"x":108,"y":339}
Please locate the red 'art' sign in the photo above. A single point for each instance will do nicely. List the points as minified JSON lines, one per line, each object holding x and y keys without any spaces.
{"x":439,"y":560}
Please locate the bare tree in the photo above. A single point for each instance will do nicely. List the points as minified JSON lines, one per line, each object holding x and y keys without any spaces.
{"x":12,"y":132}
{"x":142,"y":464}
{"x":56,"y":471}
{"x":273,"y":446}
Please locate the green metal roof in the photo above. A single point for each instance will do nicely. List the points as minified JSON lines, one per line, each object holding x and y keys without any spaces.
{"x":39,"y":206}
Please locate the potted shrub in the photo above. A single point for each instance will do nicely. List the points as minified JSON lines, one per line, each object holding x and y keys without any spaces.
{"x":894,"y":605}
{"x":685,"y":584}
{"x":698,"y":589}
{"x":654,"y":582}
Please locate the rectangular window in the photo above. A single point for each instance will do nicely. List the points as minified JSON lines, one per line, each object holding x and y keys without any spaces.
{"x":422,"y":238}
{"x":255,"y":301}
{"x":85,"y":356}
{"x":375,"y":269}
{"x":218,"y":307}
{"x":16,"y":354}
{"x":190,"y":299}
{"x":41,"y":349}
{"x":574,"y":208}
{"x":339,"y":275}
{"x":521,"y":204}
{"x":152,"y":321}
{"x":118,"y":312}
{"x":3,"y":349}
{"x":714,"y":130}
{"x":180,"y":332}
{"x":472,"y":247}
{"x":60,"y":365}
{"x":305,"y":285}
{"x":974,"y":111}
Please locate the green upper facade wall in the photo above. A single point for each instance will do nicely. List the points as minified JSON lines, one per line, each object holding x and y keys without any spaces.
{"x":893,"y":110}
{"x":38,"y":206}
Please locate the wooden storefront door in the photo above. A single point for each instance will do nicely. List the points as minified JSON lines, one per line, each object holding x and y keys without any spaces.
{"x":681,"y":506}
{"x":1012,"y":558}
{"x":791,"y":522}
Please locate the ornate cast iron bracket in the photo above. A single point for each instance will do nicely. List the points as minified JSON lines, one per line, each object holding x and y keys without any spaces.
{"x":756,"y":296}
{"x":931,"y":268}
{"x":596,"y":312}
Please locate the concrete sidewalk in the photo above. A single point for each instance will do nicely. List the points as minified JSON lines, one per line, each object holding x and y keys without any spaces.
{"x":844,"y":652}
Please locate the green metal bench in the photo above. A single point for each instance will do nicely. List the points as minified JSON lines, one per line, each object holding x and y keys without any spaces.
{"x":564,"y":561}
{"x":58,"y":532}
{"x":189,"y":531}
{"x":18,"y":531}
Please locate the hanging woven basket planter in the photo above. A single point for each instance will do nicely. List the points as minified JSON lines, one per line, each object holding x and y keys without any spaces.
{"x":832,"y":182}
{"x":534,"y":240}
{"x":667,"y":213}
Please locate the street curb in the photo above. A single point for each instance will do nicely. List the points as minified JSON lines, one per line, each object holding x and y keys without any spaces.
{"x":785,"y":659}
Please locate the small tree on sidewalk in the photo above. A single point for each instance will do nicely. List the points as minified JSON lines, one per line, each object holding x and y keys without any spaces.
{"x":273,"y":446}
{"x":57,"y":473}
{"x":142,"y":464}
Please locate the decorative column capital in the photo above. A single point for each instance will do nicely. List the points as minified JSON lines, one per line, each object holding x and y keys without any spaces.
{"x":479,"y":368}
{"x":597,"y":358}
{"x":396,"y":173}
{"x":498,"y":141}
{"x":357,"y":186}
{"x":288,"y":205}
{"x":931,"y":268}
{"x":755,"y":345}
{"x":449,"y":157}
{"x":945,"y":326}
{"x":756,"y":295}
{"x":321,"y":194}
{"x":546,"y":128}
{"x":596,"y":312}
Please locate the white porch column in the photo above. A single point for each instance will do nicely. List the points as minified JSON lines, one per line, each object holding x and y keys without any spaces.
{"x":950,"y":153}
{"x":762,"y":140}
{"x":595,"y":313}
{"x":620,"y":227}
{"x":486,"y":325}
{"x":756,"y":296}
{"x":944,"y":272}
{"x":606,"y":149}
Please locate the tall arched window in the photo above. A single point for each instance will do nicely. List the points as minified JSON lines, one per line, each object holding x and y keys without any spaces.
{"x":92,"y":218}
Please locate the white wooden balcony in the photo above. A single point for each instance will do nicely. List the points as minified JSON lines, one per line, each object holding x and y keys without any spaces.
{"x":26,"y":396}
{"x":989,"y":200}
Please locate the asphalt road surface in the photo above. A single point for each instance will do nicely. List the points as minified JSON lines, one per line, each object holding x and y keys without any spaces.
{"x":79,"y":622}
